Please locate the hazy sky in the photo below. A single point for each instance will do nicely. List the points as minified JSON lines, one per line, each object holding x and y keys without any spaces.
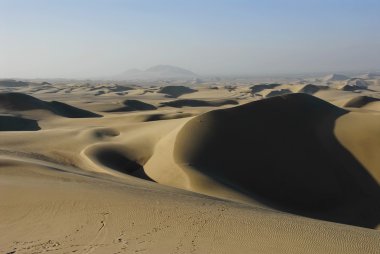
{"x":90,"y":38}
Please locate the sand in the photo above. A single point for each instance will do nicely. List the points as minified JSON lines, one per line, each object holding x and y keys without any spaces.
{"x":107,"y":168}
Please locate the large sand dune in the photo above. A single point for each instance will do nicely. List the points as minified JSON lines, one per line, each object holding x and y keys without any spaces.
{"x":282,"y":151}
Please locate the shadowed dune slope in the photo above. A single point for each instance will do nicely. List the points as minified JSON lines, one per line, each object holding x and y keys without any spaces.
{"x":176,"y":91}
{"x":116,"y":158}
{"x":360,"y":101}
{"x":198,"y":103}
{"x":133,"y":105}
{"x":12,"y":83}
{"x":310,"y":89}
{"x":261,"y":87}
{"x":274,"y":93}
{"x":12,"y":123}
{"x":23,"y":102}
{"x":282,"y":152}
{"x":170,"y":116}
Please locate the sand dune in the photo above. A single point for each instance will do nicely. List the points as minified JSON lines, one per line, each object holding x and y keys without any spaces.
{"x":353,"y":85}
{"x":133,"y":105}
{"x":357,"y":82}
{"x":176,"y":91}
{"x":359,"y":133}
{"x":301,"y":168}
{"x":198,"y":103}
{"x":274,"y":92}
{"x":310,"y":89}
{"x":12,"y":123}
{"x":360,"y":101}
{"x":12,"y":83}
{"x":21,"y":102}
{"x":261,"y":87}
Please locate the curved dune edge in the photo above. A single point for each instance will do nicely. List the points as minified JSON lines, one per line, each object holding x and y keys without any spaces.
{"x":360,"y":134}
{"x":164,"y":169}
{"x":117,"y":159}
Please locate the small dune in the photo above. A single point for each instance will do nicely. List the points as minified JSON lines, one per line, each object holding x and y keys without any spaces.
{"x":357,"y":82}
{"x":353,"y":85}
{"x":138,"y":105}
{"x":198,"y":103}
{"x":133,"y":105}
{"x":69,"y":111}
{"x":360,"y":101}
{"x":261,"y":87}
{"x":12,"y":83}
{"x":176,"y":91}
{"x":159,"y":117}
{"x":282,"y":152}
{"x":272,"y":93}
{"x":22,"y":102}
{"x":13,"y":123}
{"x":310,"y":89}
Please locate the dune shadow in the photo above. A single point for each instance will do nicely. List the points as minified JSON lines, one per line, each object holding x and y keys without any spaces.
{"x":283,"y":152}
{"x":197,"y":103}
{"x":13,"y":101}
{"x":176,"y":91}
{"x":14,"y":123}
{"x":117,"y":160}
{"x":171,"y":116}
{"x":360,"y":101}
{"x":133,"y":105}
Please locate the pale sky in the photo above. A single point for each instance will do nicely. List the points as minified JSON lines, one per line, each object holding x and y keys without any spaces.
{"x":92,"y":38}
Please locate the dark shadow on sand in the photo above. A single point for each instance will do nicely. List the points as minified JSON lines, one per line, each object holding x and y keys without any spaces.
{"x":282,"y":152}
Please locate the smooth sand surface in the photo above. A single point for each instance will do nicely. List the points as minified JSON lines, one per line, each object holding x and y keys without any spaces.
{"x":106,"y":168}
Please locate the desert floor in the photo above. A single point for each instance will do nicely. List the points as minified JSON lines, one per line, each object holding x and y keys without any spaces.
{"x":215,"y":168}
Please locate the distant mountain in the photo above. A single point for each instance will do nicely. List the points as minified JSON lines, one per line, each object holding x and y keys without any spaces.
{"x":158,"y":72}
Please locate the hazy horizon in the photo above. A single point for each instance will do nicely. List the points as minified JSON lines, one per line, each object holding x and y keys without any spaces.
{"x":96,"y":38}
